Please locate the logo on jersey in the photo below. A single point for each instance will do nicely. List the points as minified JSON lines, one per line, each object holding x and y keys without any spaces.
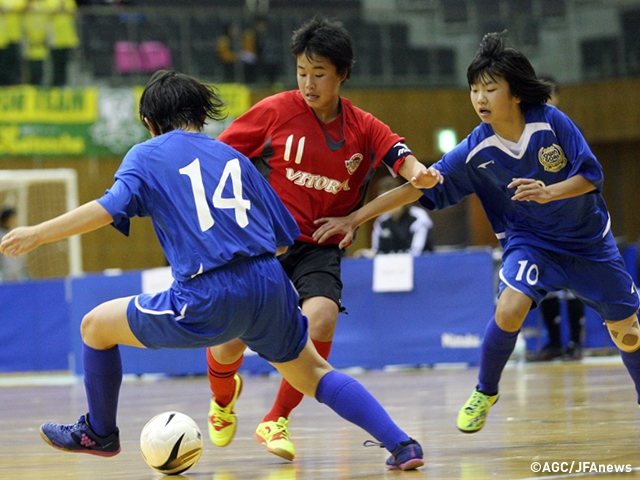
{"x":319,"y":182}
{"x":552,"y":158}
{"x":353,"y":163}
{"x":486,"y":164}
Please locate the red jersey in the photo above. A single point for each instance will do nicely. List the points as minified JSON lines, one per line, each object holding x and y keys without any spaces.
{"x":317,"y":170}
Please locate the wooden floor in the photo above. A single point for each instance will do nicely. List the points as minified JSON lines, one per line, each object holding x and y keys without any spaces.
{"x":584,"y":413}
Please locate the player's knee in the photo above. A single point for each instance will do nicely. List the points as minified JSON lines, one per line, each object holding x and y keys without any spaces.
{"x":509,"y":320}
{"x":625,"y":333}
{"x":322,"y":321}
{"x":229,"y":352}
{"x":322,"y":327}
{"x":512,"y":309}
{"x":88,"y":328}
{"x":96,"y":332}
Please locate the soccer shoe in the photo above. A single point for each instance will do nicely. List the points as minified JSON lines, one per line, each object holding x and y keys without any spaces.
{"x":472,"y":416}
{"x":573,"y":352}
{"x":406,"y":456}
{"x":80,"y":438}
{"x":275,"y":437}
{"x":222,"y":420}
{"x":546,"y":354}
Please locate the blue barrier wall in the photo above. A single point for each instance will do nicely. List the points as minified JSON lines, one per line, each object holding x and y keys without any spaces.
{"x":93,"y":290}
{"x":35,"y":332}
{"x":441,"y":320}
{"x":452,"y":299}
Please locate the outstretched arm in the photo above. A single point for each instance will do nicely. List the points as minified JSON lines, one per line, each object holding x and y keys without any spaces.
{"x":530,"y":190}
{"x":418,"y":175}
{"x":395,"y":198}
{"x":83,"y":219}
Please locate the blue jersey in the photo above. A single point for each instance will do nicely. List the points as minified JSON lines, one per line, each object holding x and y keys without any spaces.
{"x":551,"y":149}
{"x":209,"y":205}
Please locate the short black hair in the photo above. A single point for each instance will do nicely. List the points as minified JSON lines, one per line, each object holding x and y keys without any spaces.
{"x":6,"y":214}
{"x":173,"y":100}
{"x":325,"y":38}
{"x":495,"y":59}
{"x":555,"y":86}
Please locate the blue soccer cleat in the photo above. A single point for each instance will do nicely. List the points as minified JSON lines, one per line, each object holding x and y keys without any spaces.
{"x":406,"y":456}
{"x":80,"y":438}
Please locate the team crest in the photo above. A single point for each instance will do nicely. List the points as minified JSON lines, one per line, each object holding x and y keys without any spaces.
{"x":353,"y":163}
{"x":552,"y":158}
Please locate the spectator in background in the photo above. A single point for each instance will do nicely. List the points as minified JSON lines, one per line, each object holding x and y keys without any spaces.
{"x":550,"y":307}
{"x":4,"y":43}
{"x":269,"y":52}
{"x":11,"y":268}
{"x":404,"y":229}
{"x":238,"y":46}
{"x":63,"y":37}
{"x":551,"y":312}
{"x":226,"y":54}
{"x":11,"y":65}
{"x":36,"y":50}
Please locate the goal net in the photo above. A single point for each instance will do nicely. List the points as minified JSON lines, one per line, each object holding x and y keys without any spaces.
{"x":39,"y":195}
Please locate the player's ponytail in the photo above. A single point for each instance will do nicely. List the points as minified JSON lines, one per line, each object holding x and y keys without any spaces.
{"x":496,"y":59}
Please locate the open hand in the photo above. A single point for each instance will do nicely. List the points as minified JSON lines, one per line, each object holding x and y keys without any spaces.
{"x":427,"y":178}
{"x":529,"y":190}
{"x":330,"y":226}
{"x":19,"y":240}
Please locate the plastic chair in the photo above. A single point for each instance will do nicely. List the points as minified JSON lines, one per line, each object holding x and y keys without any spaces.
{"x":127,"y":58}
{"x":154,"y":56}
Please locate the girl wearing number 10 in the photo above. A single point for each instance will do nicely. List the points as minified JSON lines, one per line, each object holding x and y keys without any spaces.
{"x":220,"y":225}
{"x":540,"y":186}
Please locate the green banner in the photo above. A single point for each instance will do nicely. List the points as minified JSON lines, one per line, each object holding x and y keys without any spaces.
{"x":87,"y":121}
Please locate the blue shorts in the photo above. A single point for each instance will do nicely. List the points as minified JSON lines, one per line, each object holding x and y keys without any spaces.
{"x":606,"y":287}
{"x":251,"y":299}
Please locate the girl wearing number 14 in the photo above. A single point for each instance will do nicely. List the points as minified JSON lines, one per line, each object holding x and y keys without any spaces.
{"x":220,"y":225}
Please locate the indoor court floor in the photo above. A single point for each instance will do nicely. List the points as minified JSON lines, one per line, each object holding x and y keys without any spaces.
{"x":572,"y":420}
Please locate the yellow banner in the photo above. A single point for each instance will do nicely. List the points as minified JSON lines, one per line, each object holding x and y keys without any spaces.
{"x":12,"y":142}
{"x":87,"y":121}
{"x":26,"y":104}
{"x":236,"y":96}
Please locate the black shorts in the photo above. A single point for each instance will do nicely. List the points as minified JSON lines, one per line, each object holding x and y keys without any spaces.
{"x":314,"y":270}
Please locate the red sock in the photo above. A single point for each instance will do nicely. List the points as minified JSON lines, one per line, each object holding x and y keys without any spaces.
{"x":288,"y":397}
{"x":221,"y":379}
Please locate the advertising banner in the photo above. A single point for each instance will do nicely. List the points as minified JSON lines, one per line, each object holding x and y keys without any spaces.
{"x":85,"y":121}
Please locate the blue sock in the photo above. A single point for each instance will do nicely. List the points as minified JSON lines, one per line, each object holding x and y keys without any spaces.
{"x":102,"y":380}
{"x":496,"y":349}
{"x":349,"y":399}
{"x":632,"y":362}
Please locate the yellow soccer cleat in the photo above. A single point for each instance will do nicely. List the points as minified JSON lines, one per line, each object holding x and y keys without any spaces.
{"x":472,"y":416}
{"x":222,"y":420}
{"x":275,"y":437}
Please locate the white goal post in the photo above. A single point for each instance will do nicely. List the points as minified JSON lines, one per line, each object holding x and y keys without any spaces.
{"x":38,"y":195}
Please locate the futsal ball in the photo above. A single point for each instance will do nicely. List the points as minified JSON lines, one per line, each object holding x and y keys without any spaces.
{"x":171,"y":443}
